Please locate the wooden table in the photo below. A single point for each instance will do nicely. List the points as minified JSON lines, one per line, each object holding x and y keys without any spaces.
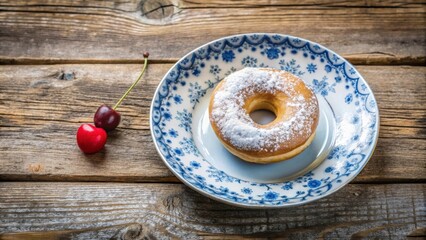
{"x":61,"y":59}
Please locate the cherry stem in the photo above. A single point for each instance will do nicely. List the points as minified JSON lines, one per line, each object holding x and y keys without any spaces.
{"x":133,"y":85}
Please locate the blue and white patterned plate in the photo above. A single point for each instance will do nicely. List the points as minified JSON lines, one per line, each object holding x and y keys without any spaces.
{"x":345,"y":139}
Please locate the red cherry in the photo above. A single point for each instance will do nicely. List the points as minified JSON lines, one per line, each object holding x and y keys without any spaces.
{"x":106,"y":118}
{"x":91,"y":139}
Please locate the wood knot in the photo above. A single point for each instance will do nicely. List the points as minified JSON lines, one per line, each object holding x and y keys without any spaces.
{"x":133,"y":232}
{"x":66,"y":76}
{"x":157,"y":11}
{"x":172,"y":202}
{"x":35,"y":168}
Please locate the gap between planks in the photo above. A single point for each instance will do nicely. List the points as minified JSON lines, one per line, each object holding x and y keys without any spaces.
{"x":412,"y":61}
{"x":41,"y":61}
{"x":167,"y":180}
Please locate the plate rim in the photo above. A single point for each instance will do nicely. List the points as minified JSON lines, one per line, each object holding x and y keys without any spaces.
{"x":263,"y":206}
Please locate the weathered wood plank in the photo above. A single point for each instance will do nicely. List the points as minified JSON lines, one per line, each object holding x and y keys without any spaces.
{"x":107,"y":210}
{"x":126,"y":5}
{"x":40,"y":111}
{"x":387,"y":32}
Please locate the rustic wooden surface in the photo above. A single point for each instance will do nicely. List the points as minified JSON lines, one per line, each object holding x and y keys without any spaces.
{"x":105,"y":210}
{"x":61,"y":59}
{"x":42,"y":110}
{"x":104,"y":31}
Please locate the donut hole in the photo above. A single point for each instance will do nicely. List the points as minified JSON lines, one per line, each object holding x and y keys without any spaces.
{"x":262,"y":110}
{"x":263,"y":116}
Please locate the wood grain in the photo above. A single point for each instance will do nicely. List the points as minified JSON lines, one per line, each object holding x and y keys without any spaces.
{"x":107,"y":210}
{"x":41,"y":107}
{"x":365,"y":32}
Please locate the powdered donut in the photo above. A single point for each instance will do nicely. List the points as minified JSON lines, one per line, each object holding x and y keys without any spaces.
{"x":251,"y":89}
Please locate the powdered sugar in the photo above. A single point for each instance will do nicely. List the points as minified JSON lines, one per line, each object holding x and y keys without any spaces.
{"x":235,"y":123}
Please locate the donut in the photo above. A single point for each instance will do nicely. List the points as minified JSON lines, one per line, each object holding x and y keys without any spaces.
{"x":245,"y":91}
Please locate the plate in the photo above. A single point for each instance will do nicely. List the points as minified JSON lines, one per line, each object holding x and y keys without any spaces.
{"x":346,"y":135}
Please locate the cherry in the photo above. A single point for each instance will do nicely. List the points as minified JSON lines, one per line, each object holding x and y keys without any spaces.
{"x":91,"y":139}
{"x":106,"y":118}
